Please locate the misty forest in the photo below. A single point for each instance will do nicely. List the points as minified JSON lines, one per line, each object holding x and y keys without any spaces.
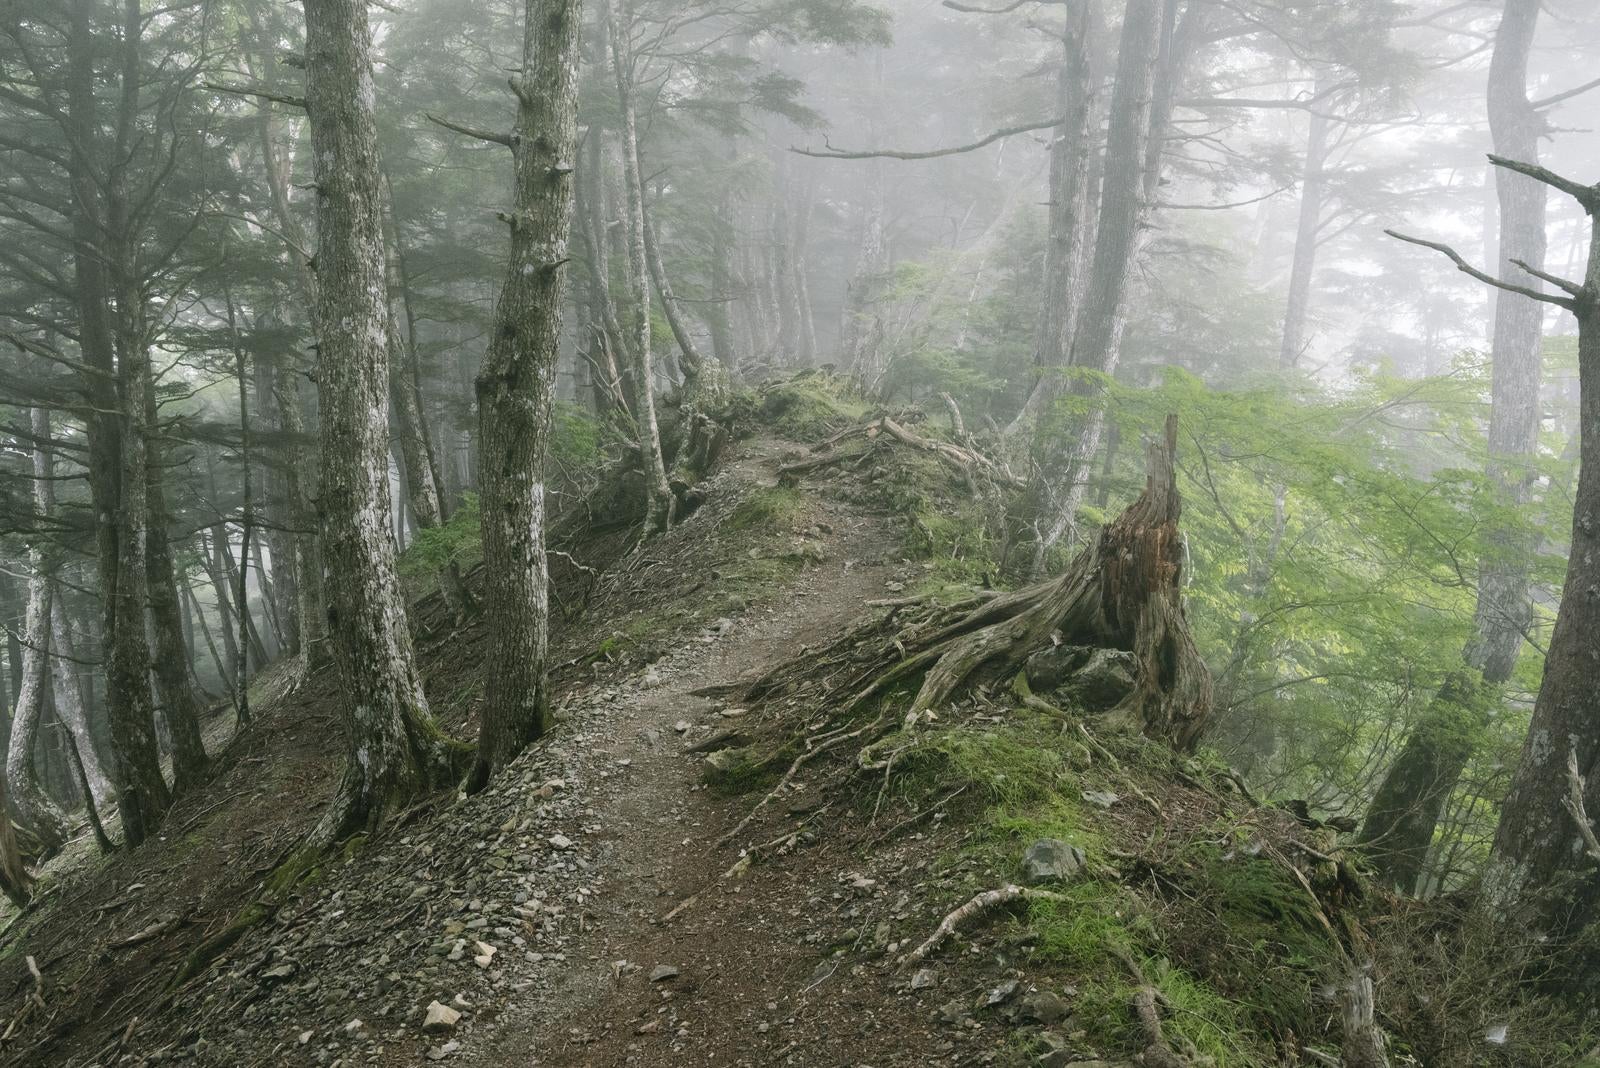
{"x":800,"y":532}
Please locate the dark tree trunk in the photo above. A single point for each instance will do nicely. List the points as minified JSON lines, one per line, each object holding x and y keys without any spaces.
{"x":1539,"y":873}
{"x":1404,"y":812}
{"x":394,"y":749}
{"x":515,"y":385}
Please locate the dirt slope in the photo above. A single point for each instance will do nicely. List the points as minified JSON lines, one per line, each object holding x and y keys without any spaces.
{"x":561,"y":868}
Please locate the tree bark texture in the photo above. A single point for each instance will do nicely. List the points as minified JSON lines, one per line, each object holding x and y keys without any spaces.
{"x":516,"y":383}
{"x":393,"y":748}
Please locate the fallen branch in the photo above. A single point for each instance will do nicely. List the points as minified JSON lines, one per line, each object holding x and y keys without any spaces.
{"x":1573,"y":803}
{"x":980,"y":904}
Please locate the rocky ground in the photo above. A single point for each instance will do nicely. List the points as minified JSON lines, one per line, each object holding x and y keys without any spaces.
{"x":579,"y":912}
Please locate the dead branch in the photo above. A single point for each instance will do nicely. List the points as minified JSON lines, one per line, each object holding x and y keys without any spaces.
{"x":1586,"y":195}
{"x":988,"y":899}
{"x":471,"y":131}
{"x":888,"y":153}
{"x":1487,"y":279}
{"x":1573,"y":803}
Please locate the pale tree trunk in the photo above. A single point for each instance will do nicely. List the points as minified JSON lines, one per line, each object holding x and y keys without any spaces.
{"x":516,"y":382}
{"x":71,"y":708}
{"x":35,"y":811}
{"x":705,"y":379}
{"x":1068,"y":238}
{"x":394,"y":749}
{"x":861,"y":325}
{"x":658,"y":494}
{"x":1399,"y":825}
{"x":1313,"y":188}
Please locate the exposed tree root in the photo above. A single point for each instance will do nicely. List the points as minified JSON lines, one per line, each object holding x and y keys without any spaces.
{"x":965,"y":460}
{"x":988,"y":899}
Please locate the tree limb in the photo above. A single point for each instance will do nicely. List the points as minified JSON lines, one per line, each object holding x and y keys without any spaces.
{"x":888,"y":153}
{"x":953,"y":5}
{"x":471,"y":131}
{"x":1487,"y":279}
{"x":249,"y":90}
{"x":1586,"y":195}
{"x":1557,"y":98}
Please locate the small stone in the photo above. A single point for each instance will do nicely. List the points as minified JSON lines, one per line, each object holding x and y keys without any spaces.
{"x":1052,"y":860}
{"x":682,"y":726}
{"x":663,"y":972}
{"x":1101,"y":798}
{"x":922,"y":979}
{"x":439,"y":1053}
{"x":560,"y":841}
{"x":304,"y":1037}
{"x":1041,"y":1006}
{"x":354,"y":1026}
{"x":482,"y":954}
{"x":278,"y":973}
{"x":440,"y":1019}
{"x":648,"y":1028}
{"x":1001,"y":993}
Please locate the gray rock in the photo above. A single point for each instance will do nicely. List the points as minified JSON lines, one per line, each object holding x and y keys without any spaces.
{"x":1052,"y":860}
{"x":1049,"y":668}
{"x":440,"y":1019}
{"x":1105,"y":678}
{"x":1000,"y":994}
{"x":662,"y":972}
{"x":922,"y":979}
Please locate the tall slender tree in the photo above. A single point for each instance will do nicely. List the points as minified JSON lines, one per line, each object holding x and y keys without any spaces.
{"x":393,"y":747}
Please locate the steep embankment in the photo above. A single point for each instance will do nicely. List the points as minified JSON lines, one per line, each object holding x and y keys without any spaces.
{"x":607,"y":901}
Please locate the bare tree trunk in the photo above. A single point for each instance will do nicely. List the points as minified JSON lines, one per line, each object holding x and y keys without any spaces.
{"x":171,"y":659}
{"x":705,"y":380}
{"x":394,"y":749}
{"x":1540,"y":874}
{"x":1072,"y":151}
{"x":658,"y":494}
{"x":1313,"y":185}
{"x":112,"y":339}
{"x":35,"y":810}
{"x":1062,"y":460}
{"x":71,"y":708}
{"x":515,"y":385}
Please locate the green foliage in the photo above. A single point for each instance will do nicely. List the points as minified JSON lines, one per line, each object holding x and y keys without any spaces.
{"x":767,"y":509}
{"x":458,"y":540}
{"x":811,"y":406}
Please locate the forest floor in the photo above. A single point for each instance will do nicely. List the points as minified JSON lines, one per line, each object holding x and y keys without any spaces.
{"x":584,"y":911}
{"x":565,"y":866}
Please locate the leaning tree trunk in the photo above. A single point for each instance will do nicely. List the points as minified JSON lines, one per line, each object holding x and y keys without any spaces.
{"x":394,"y":749}
{"x":71,"y":708}
{"x":516,"y":383}
{"x":1400,"y":823}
